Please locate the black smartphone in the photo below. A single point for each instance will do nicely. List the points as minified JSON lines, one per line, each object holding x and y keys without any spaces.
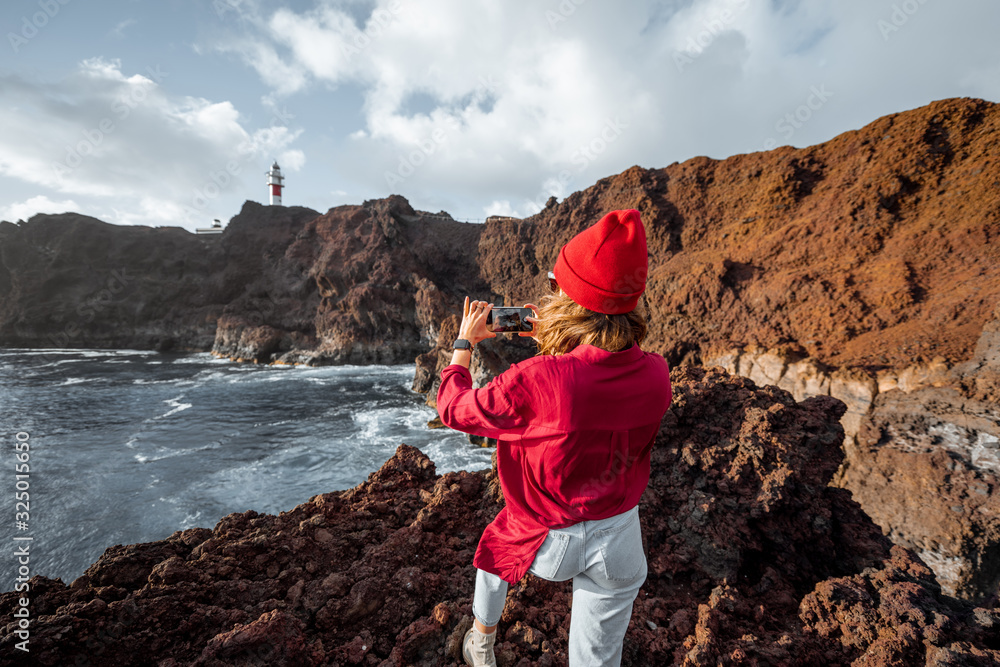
{"x":502,"y":319}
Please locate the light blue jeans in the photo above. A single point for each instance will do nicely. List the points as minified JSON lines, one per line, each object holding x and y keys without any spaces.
{"x":604,"y":558}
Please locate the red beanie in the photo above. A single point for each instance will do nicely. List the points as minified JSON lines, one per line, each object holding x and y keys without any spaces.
{"x":603,"y":268}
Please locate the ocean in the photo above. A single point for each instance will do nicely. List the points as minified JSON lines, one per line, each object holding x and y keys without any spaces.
{"x":128,"y":446}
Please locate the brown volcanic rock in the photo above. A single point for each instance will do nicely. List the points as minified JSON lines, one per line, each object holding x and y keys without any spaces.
{"x":387,"y":276}
{"x":895,"y":616}
{"x":270,"y":305}
{"x":360,"y":284}
{"x":72,"y":281}
{"x":937,"y":448}
{"x":753,"y":559}
{"x":876,"y":248}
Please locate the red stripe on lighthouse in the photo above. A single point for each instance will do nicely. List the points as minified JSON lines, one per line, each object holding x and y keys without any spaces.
{"x":276,"y":189}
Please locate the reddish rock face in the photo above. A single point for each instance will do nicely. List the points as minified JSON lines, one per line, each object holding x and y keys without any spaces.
{"x":386,"y":277}
{"x":73,"y":281}
{"x":360,"y":284}
{"x":753,"y":559}
{"x":874,"y":250}
{"x":877,"y":248}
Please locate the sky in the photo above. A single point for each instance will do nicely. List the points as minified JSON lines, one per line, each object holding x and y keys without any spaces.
{"x":169,"y":112}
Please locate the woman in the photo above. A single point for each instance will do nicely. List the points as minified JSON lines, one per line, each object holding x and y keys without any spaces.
{"x":574,"y":427}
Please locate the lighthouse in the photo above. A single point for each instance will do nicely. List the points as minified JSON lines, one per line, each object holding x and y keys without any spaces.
{"x":275,"y":182}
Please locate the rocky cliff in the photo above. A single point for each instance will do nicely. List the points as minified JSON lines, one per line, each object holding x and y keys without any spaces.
{"x":753,"y":559}
{"x":73,"y":281}
{"x":877,"y":249}
{"x":360,"y":284}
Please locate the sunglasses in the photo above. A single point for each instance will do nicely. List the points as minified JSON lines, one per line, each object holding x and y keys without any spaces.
{"x":553,"y":285}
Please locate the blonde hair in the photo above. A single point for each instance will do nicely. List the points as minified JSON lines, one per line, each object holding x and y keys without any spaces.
{"x":563,"y":324}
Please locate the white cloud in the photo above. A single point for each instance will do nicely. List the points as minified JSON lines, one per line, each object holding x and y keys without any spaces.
{"x":502,"y":208}
{"x":292,"y":160}
{"x":473,"y":106}
{"x":119,"y":30}
{"x":39,"y":204}
{"x":548,"y":97}
{"x":122,"y":144}
{"x":282,"y":77}
{"x":317,"y":40}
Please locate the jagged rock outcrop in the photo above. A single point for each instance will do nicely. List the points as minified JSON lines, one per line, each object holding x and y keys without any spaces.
{"x":875,"y":250}
{"x":753,"y":559}
{"x":935,"y":445}
{"x":380,"y":279}
{"x":273,"y":307}
{"x":927,"y":436}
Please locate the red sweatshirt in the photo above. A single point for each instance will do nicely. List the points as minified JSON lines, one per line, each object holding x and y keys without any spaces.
{"x":574,"y":435}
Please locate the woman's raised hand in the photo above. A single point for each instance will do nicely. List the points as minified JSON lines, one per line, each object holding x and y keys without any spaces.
{"x":473,"y":327}
{"x":533,"y":320}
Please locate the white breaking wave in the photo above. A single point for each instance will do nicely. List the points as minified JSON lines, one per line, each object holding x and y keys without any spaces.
{"x":175,"y":407}
{"x":200,"y":358}
{"x":168,"y":453}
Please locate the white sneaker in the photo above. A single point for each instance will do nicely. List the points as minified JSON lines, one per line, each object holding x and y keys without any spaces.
{"x":477,"y":648}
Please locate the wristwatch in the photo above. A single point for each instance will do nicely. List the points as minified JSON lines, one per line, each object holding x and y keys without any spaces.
{"x":462,"y":344}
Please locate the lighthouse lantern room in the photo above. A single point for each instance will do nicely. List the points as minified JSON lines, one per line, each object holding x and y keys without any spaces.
{"x":275,"y":182}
